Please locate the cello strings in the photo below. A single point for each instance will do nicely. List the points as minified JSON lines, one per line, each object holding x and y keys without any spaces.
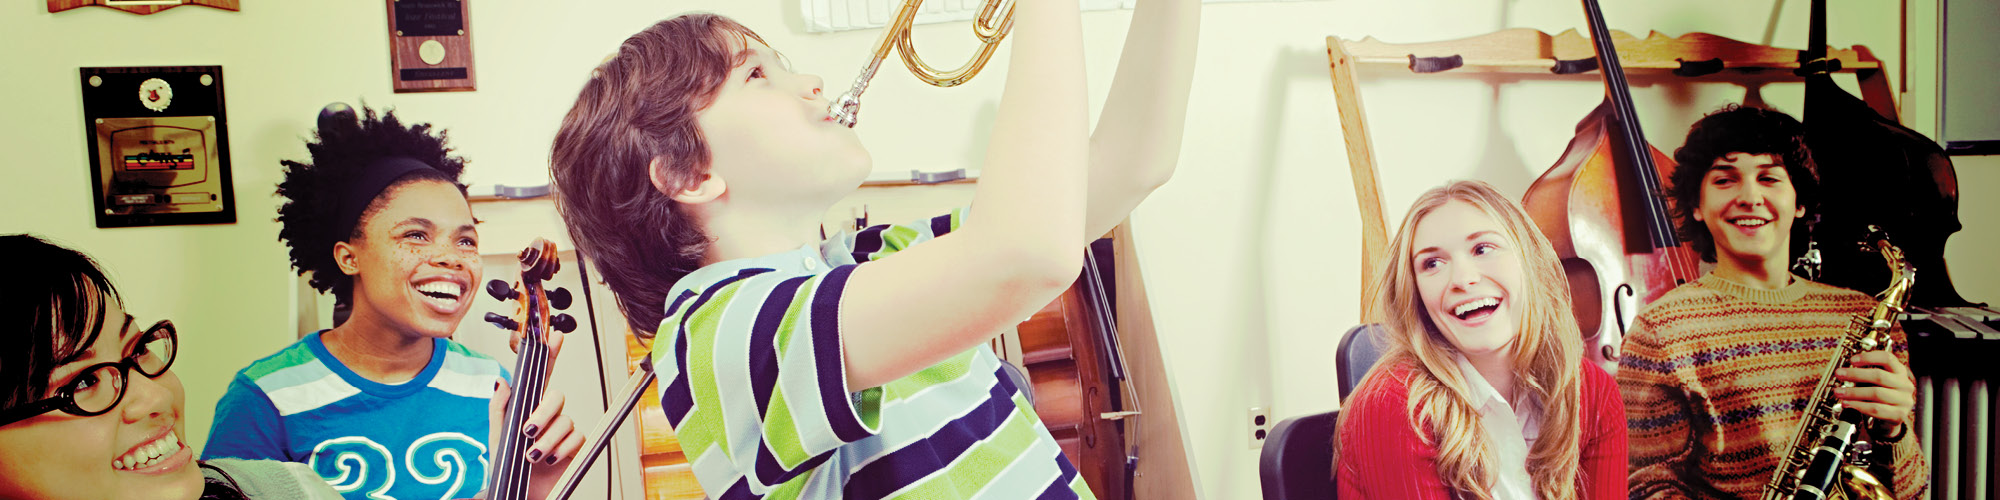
{"x":1663,"y":236}
{"x":531,"y":370}
{"x":508,"y":488}
{"x":538,"y":380}
{"x":1680,"y":260}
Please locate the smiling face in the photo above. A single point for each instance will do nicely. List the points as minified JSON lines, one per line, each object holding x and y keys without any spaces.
{"x":133,"y":451}
{"x":416,"y":263}
{"x":1748,"y":205}
{"x":1468,"y":270}
{"x":770,"y":139}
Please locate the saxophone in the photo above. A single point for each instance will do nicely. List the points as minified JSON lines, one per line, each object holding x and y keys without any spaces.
{"x":1823,"y":460}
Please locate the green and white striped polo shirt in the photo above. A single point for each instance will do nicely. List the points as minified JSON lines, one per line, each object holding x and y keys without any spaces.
{"x":751,"y":378}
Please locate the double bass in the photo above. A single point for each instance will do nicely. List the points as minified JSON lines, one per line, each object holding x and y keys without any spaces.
{"x":1909,"y":184}
{"x":1603,"y":209}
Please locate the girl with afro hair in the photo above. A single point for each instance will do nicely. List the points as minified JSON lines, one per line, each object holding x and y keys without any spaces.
{"x":384,"y":404}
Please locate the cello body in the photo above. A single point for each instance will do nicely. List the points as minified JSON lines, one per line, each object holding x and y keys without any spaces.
{"x":1587,"y":205}
{"x":1066,"y":350}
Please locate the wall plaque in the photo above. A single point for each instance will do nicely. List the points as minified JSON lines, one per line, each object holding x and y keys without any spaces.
{"x":141,"y":7}
{"x":159,"y":146}
{"x":430,"y":46}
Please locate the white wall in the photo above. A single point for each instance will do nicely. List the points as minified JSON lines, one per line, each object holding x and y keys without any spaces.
{"x":1250,"y":251}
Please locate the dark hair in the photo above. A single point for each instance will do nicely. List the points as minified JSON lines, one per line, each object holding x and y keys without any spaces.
{"x":1740,"y":129}
{"x":53,"y":314}
{"x":341,"y":153}
{"x":221,"y":489}
{"x":638,"y":106}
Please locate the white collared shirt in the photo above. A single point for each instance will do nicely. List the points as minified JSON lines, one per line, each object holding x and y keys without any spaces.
{"x":1510,"y":432}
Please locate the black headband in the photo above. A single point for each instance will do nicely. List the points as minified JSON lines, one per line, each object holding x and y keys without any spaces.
{"x":374,"y":178}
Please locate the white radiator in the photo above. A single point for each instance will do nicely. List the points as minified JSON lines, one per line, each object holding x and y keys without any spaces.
{"x":1956,"y":416}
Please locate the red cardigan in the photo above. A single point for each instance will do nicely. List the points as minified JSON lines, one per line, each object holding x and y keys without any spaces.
{"x":1382,"y":457}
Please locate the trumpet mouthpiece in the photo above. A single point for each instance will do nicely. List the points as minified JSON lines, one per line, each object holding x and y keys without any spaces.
{"x":844,"y":109}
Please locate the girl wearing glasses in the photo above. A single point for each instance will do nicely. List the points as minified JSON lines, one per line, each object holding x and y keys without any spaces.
{"x":88,"y":407}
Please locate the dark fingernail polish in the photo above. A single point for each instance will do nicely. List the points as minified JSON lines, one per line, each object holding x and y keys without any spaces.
{"x":530,"y":430}
{"x":551,"y":460}
{"x":534,"y":455}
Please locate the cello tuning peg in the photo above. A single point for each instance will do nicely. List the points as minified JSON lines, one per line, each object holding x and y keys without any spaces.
{"x":559,"y":298}
{"x":563,"y":323}
{"x":500,"y":290}
{"x":502,"y":321}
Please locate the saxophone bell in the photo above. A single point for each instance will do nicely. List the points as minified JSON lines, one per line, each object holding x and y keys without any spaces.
{"x":1863,"y":485}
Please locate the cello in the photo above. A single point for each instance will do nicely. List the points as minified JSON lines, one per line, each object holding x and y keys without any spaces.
{"x":1071,"y":352}
{"x":1603,"y":209}
{"x":539,"y":263}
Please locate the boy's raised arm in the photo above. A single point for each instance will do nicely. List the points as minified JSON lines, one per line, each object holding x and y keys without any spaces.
{"x":1137,"y":142}
{"x":1020,"y":246}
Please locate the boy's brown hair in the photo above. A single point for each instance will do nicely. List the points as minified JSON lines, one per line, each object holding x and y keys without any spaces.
{"x":640,"y":105}
{"x":1741,"y":129}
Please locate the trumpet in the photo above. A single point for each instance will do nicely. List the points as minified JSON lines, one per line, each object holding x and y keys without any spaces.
{"x":990,"y":27}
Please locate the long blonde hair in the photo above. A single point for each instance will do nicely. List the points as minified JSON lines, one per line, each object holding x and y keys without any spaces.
{"x":1547,"y":350}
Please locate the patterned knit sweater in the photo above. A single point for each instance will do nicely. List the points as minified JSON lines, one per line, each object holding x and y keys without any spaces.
{"x":1715,"y":377}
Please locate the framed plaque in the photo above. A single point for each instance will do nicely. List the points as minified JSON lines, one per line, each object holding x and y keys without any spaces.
{"x":430,"y":46}
{"x":141,"y":7}
{"x":159,"y":146}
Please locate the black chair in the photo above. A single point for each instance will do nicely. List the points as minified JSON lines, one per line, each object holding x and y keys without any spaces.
{"x":1020,"y":380}
{"x":1297,"y":461}
{"x":1355,"y":355}
{"x":1297,"y":458}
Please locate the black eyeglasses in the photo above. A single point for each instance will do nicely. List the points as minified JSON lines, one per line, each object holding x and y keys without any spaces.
{"x":99,"y":388}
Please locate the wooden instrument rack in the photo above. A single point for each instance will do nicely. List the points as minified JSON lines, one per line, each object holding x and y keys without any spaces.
{"x":1531,"y":54}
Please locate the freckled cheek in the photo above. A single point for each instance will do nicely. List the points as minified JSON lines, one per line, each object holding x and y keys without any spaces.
{"x":463,"y":258}
{"x":403,"y":259}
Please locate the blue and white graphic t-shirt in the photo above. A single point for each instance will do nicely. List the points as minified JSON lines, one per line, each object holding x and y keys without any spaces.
{"x":421,"y":439}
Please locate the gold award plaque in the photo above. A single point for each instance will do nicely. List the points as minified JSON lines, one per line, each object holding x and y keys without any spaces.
{"x":159,"y":145}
